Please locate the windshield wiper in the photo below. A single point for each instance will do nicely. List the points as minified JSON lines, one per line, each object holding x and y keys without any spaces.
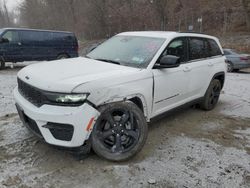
{"x":109,"y":61}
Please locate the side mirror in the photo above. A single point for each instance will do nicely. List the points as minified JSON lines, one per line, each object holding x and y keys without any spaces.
{"x":168,"y":61}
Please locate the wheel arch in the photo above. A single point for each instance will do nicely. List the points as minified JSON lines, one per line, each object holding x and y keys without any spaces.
{"x":138,"y":99}
{"x":63,"y":53}
{"x":221,"y":77}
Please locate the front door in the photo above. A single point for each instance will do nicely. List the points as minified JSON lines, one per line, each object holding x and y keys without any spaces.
{"x":11,"y":47}
{"x":170,"y":84}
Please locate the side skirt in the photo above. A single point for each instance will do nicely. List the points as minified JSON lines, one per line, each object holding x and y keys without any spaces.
{"x":174,"y":110}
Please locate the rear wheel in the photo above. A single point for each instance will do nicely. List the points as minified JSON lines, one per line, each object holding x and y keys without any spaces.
{"x":62,"y":56}
{"x":212,"y":95}
{"x":120,"y":131}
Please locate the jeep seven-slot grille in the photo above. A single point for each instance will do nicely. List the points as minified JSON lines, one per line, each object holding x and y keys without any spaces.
{"x":30,"y":93}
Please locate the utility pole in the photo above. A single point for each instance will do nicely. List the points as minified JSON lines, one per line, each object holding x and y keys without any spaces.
{"x":200,"y":20}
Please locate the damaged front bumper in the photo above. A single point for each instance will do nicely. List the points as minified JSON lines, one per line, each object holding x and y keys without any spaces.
{"x":58,"y":125}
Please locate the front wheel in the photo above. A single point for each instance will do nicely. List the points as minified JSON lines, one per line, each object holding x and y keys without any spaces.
{"x":230,"y":66}
{"x":212,"y":95}
{"x":120,"y":131}
{"x":2,"y":64}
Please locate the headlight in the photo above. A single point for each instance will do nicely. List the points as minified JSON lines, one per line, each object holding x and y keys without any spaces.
{"x":64,"y":99}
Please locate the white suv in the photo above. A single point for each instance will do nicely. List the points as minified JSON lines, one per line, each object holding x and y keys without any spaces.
{"x":106,"y":98}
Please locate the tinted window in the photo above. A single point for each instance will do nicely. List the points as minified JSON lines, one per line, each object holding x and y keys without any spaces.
{"x":214,"y":48}
{"x":198,"y":48}
{"x":37,"y":36}
{"x":177,"y":48}
{"x":11,"y":36}
{"x":63,"y":36}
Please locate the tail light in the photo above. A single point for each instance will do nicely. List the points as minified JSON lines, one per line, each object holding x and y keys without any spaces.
{"x":243,"y":58}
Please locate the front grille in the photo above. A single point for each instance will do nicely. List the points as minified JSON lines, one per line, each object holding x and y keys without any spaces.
{"x":30,"y":93}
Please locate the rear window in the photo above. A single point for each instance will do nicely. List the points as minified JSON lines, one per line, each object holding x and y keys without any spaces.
{"x":198,"y":48}
{"x":214,"y":48}
{"x":227,"y":52}
{"x":43,"y":36}
{"x":37,"y":36}
{"x":63,"y":36}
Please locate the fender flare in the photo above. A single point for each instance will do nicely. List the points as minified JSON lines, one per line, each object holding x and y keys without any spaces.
{"x":219,"y":74}
{"x":128,"y":98}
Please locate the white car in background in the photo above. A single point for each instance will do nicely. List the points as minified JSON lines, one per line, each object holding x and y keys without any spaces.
{"x":106,"y":98}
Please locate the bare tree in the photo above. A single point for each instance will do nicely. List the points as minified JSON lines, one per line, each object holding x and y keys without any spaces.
{"x":161,"y":7}
{"x":93,"y":19}
{"x":246,"y":6}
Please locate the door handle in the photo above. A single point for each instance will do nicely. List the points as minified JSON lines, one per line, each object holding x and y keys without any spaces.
{"x":210,"y":64}
{"x":187,"y":69}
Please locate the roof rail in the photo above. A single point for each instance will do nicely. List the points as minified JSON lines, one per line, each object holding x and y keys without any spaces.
{"x":194,"y":32}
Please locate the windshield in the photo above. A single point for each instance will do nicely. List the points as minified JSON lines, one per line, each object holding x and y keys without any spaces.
{"x":132,"y":51}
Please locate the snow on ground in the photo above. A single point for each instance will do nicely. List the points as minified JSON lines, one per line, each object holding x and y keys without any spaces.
{"x":187,"y":148}
{"x":8,"y":81}
{"x":236,"y":95}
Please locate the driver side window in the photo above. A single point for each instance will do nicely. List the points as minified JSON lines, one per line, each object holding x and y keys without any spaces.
{"x":11,"y":36}
{"x":177,"y":48}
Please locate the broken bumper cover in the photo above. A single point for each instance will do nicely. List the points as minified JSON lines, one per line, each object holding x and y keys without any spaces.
{"x":57,"y":125}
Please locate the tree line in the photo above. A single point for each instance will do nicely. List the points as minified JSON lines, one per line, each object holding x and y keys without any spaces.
{"x":94,"y":19}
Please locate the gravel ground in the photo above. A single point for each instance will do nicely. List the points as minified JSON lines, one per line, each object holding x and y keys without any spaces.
{"x":186,"y":148}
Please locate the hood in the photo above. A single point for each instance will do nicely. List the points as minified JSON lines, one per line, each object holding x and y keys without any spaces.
{"x":65,"y":75}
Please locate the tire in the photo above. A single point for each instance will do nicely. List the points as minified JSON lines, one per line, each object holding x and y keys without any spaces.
{"x":62,"y":56}
{"x":120,"y":131}
{"x":212,"y":95}
{"x":236,"y":70}
{"x":2,"y":64}
{"x":230,"y":66}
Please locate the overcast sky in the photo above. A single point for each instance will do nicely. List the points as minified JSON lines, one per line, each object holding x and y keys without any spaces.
{"x":12,"y":4}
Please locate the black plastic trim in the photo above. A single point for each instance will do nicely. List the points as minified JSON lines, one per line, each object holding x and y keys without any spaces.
{"x":44,"y":99}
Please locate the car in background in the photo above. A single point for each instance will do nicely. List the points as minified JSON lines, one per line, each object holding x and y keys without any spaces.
{"x":236,"y":61}
{"x":18,"y":45}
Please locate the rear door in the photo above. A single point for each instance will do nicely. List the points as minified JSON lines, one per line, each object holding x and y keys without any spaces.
{"x":42,"y":49}
{"x":29,"y":46}
{"x":11,"y":49}
{"x":36,"y":45}
{"x":201,"y":66}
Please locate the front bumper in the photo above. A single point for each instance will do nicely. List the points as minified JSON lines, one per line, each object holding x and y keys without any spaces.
{"x":57,"y":125}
